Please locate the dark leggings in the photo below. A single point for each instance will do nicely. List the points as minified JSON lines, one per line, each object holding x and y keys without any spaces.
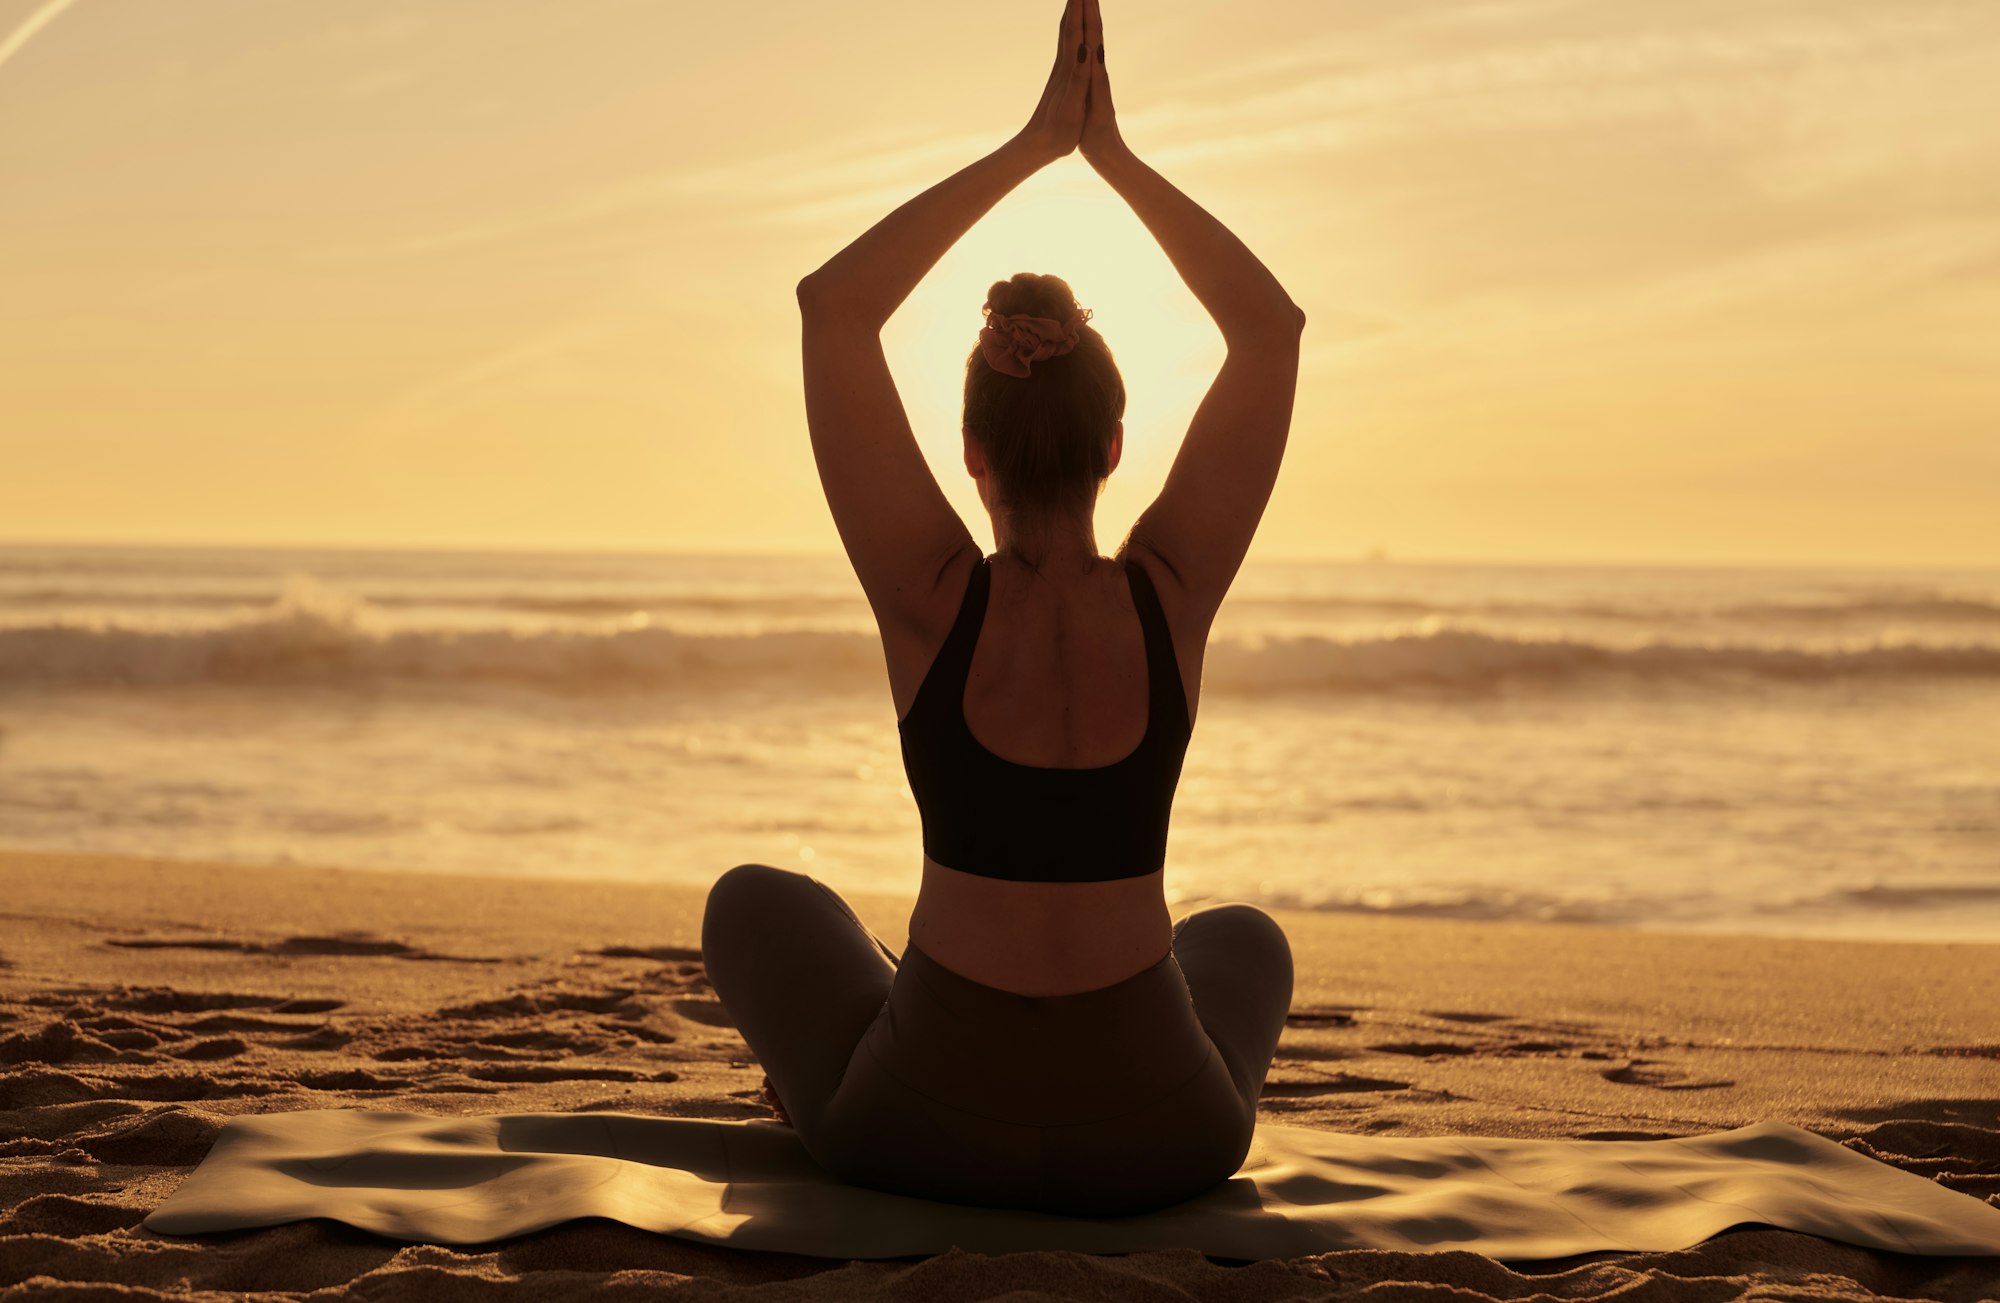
{"x":903,"y":1075}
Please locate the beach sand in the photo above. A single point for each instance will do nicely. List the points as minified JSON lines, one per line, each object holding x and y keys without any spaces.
{"x":144,"y":1003}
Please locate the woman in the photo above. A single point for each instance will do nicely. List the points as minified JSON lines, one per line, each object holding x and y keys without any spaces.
{"x":1051,"y":1038}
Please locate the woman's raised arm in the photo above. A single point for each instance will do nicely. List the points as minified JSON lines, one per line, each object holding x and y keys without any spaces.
{"x":1201,"y":524}
{"x":899,"y":531}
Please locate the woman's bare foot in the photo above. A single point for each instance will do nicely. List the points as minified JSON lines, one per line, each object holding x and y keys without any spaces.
{"x":771,"y":1098}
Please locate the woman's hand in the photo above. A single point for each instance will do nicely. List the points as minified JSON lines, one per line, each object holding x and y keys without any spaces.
{"x":1100,"y":140}
{"x":1057,"y":124}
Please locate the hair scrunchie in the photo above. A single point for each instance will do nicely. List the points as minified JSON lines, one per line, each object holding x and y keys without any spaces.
{"x":1012,"y":345}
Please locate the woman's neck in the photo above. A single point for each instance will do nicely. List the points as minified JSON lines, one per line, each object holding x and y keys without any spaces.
{"x":1049,"y":548}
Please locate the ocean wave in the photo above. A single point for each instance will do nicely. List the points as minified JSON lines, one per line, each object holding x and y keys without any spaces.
{"x":1887,"y":608}
{"x":1700,"y":910}
{"x":1495,"y":905}
{"x":1936,"y":607}
{"x":1469,"y":658}
{"x":1916,"y":895}
{"x":315,"y":636}
{"x":319,"y":640}
{"x":774,"y":605}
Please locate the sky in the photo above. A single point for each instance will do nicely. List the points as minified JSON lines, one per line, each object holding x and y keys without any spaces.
{"x":1586,"y":280}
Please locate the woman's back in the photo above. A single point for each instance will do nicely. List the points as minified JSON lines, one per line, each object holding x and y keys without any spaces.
{"x":1041,"y":695}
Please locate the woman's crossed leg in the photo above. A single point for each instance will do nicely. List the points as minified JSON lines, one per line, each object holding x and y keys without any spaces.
{"x":800,"y":974}
{"x":803,"y":977}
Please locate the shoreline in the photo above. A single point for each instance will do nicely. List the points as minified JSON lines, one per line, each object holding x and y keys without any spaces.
{"x":144,"y":1002}
{"x":1838,"y":929}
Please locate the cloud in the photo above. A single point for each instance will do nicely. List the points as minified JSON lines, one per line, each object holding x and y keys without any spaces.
{"x":19,"y":38}
{"x":1808,"y":99}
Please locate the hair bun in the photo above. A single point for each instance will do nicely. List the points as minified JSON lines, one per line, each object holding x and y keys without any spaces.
{"x":1027,"y":294}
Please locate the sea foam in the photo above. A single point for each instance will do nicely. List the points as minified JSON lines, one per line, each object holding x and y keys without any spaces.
{"x":318,"y":636}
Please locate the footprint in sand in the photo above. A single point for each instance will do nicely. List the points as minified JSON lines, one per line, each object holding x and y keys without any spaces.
{"x":1325,"y":1016}
{"x":219,"y":1047}
{"x":1333,"y":1083}
{"x":354,"y":1079}
{"x":1315,"y":1053}
{"x":65,"y":1041}
{"x":352,"y":945}
{"x":109,"y":1029}
{"x":1425,"y":1049}
{"x":1659,"y":1076}
{"x":537,"y":1043}
{"x":533,"y":1004}
{"x":537,"y":1033}
{"x":682,"y":972}
{"x":659,"y":954}
{"x":165,"y":999}
{"x":236,"y":1022}
{"x":325,"y":1041}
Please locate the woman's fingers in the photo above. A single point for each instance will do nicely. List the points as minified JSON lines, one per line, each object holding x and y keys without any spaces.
{"x":1057,"y":124}
{"x":1100,"y":138}
{"x":1100,"y":81}
{"x":1072,"y":77}
{"x":1071,"y":52}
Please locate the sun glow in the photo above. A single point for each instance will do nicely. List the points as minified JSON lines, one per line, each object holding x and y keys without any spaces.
{"x":1065,"y":222}
{"x":1621,"y":281}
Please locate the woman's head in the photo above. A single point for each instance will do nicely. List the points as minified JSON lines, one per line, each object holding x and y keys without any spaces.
{"x":1048,"y":438}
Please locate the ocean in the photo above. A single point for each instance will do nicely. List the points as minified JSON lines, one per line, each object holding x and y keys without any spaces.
{"x":1760,"y":751}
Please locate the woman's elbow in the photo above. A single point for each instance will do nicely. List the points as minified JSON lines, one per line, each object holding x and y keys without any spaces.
{"x":823,"y":301}
{"x":1284,"y":321}
{"x":1288,"y":322}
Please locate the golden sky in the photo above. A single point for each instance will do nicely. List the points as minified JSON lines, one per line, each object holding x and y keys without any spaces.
{"x":1587,"y":280}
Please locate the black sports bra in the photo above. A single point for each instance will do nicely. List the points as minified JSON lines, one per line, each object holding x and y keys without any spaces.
{"x":1028,"y":823}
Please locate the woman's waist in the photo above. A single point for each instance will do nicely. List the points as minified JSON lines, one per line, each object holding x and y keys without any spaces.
{"x":1041,"y":938}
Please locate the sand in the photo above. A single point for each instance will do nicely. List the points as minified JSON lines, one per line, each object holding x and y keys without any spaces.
{"x":143,"y":1003}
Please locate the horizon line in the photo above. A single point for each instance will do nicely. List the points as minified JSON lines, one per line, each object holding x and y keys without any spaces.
{"x":1370,"y":556}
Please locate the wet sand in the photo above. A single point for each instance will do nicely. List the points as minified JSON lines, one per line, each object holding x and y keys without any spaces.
{"x":144,"y":1003}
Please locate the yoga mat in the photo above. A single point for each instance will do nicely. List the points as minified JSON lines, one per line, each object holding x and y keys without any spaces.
{"x":751,"y":1185}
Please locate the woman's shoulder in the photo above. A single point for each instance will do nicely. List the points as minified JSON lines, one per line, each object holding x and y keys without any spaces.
{"x":1187,"y":616}
{"x":915,"y":629}
{"x":1156,"y":573}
